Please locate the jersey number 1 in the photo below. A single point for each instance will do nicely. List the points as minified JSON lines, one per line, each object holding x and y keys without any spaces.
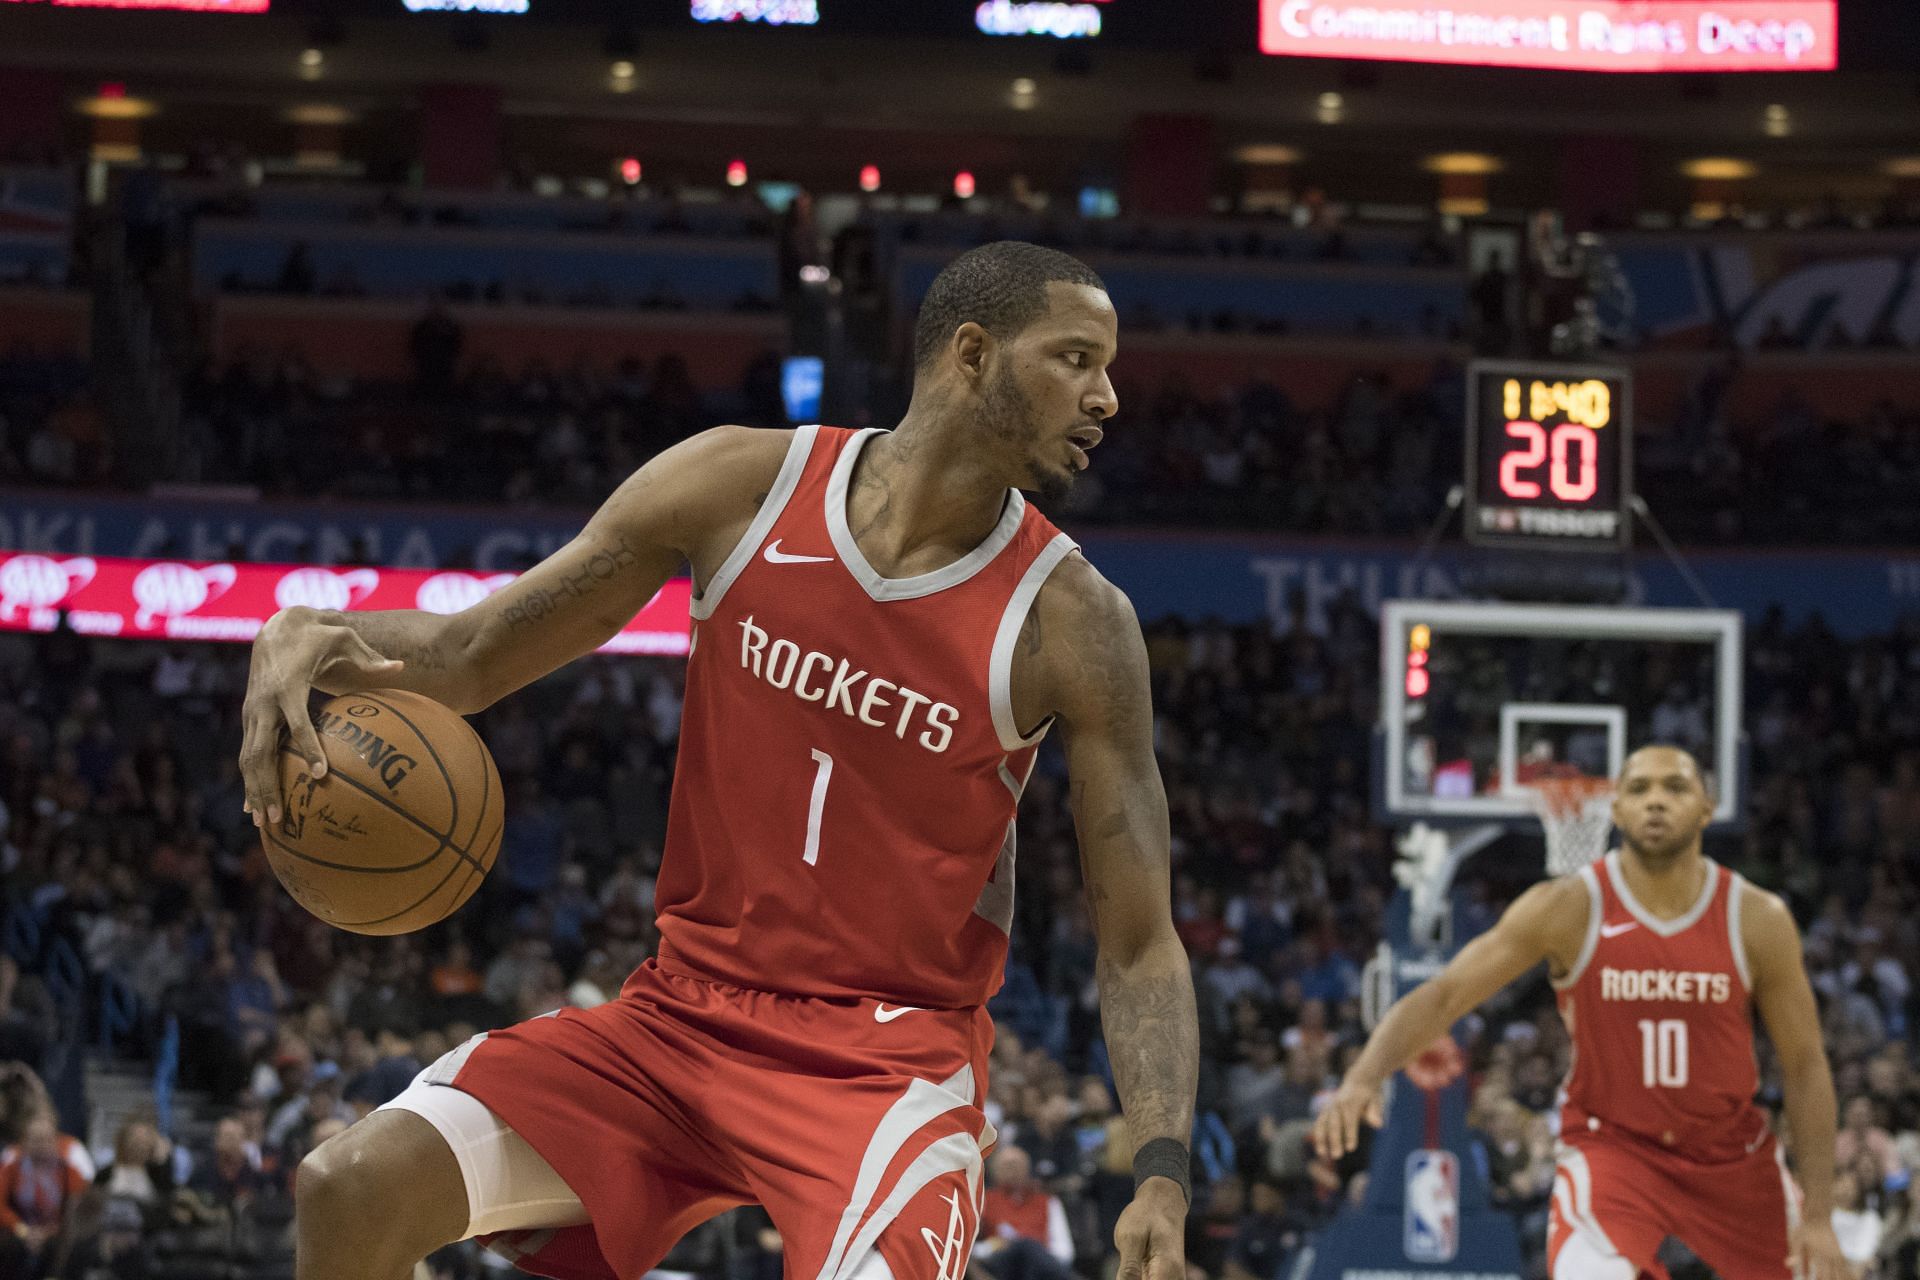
{"x":823,"y":773}
{"x":1663,"y":1053}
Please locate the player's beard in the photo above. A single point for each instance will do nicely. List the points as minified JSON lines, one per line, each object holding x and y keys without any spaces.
{"x":1006,"y":417}
{"x":1663,"y":853}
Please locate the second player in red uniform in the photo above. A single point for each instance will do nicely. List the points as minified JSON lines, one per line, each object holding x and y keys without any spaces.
{"x":1659,"y":958}
{"x":884,"y":629}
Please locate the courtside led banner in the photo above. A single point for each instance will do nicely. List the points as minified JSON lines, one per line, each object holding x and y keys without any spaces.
{"x":184,"y":6}
{"x":1599,"y":35}
{"x":182,"y":600}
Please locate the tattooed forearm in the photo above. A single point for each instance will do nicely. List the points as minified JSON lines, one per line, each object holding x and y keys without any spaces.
{"x":406,"y":634}
{"x":595,"y":572}
{"x":417,"y":638}
{"x":1153,"y":1041}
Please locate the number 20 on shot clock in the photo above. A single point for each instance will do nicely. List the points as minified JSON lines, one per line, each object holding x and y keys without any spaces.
{"x":1549,"y":455}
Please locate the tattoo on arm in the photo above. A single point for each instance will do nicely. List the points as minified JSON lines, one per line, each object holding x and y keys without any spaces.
{"x":393,"y":633}
{"x":1153,"y":1042}
{"x":600,"y":568}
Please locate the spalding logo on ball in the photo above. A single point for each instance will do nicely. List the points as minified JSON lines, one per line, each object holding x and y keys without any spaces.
{"x":403,"y":827}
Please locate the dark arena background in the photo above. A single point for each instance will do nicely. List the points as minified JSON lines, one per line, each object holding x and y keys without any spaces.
{"x":1502,"y":386}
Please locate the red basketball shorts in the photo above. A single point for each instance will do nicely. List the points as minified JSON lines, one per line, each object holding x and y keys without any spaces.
{"x":857,"y":1125}
{"x":1616,"y":1199}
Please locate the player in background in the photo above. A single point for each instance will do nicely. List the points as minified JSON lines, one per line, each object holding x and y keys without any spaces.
{"x":884,"y":630}
{"x":1659,"y":956}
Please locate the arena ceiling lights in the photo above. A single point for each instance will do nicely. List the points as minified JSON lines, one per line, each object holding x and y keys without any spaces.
{"x":1574,"y":35}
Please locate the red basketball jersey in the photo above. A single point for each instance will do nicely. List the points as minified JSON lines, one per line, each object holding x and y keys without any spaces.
{"x":1662,"y":1021}
{"x":842,"y":820}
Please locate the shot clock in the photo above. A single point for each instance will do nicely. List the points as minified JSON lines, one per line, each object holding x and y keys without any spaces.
{"x":1549,"y":454}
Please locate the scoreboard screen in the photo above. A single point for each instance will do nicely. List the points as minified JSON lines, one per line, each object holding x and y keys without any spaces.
{"x":1549,"y":455}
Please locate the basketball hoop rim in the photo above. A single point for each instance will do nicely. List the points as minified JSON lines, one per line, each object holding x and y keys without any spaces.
{"x":1567,"y":797}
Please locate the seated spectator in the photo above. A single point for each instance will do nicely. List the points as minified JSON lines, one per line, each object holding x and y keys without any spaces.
{"x":1214,"y":1224}
{"x":142,"y":1172}
{"x":1052,"y":1146}
{"x":229,"y":1175}
{"x":1856,"y":1223}
{"x":291,"y":1132}
{"x":26,"y":1014}
{"x":1023,"y":1228}
{"x":1266,"y":1237}
{"x":41,"y":1177}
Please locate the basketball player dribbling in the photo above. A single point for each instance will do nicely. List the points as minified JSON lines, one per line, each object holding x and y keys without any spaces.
{"x":883,"y":631}
{"x":1660,"y":957}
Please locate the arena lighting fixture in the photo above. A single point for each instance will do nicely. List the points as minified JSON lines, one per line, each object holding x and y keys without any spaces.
{"x":1268,"y":153}
{"x":313,"y":58}
{"x":870,"y":177}
{"x":1330,"y":108}
{"x":1777,"y":121}
{"x":1467,"y":162}
{"x":320,"y":113}
{"x":1719,"y":169}
{"x":116,"y":106}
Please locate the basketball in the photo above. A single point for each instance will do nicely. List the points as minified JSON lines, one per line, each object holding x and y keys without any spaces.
{"x":403,"y":827}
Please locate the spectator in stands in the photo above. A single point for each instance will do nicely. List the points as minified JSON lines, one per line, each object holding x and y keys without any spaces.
{"x":1052,"y":1145}
{"x":229,"y":1173}
{"x":291,"y":1132}
{"x":1266,"y":1237}
{"x":26,"y":1017}
{"x":41,"y":1177}
{"x":1023,"y":1231}
{"x":1857,"y":1224}
{"x":1214,"y":1223}
{"x":143,"y":1171}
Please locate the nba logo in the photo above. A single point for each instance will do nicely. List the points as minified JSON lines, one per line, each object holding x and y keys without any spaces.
{"x":1433,"y":1206}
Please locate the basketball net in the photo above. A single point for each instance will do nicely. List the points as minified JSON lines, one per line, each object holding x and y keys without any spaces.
{"x":1578,"y":816}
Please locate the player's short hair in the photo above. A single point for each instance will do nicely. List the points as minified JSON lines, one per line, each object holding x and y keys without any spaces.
{"x":1002,"y":287}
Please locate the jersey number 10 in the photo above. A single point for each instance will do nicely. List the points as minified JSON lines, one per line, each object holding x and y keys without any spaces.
{"x":1663,"y":1053}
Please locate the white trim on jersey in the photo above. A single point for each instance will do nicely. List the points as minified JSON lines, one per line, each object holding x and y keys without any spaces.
{"x":995,"y":903}
{"x":736,"y":562}
{"x":1581,"y":1259}
{"x":1592,"y":939}
{"x":925,"y":584}
{"x":1665,"y":928}
{"x":920,"y":1104}
{"x":1000,"y":662}
{"x":1789,"y":1187}
{"x":1736,"y":891}
{"x":1573,"y":1192}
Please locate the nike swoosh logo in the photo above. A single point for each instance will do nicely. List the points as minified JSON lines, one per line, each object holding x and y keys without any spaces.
{"x":883,"y":1014}
{"x":1615,"y":930}
{"x":776,"y":556}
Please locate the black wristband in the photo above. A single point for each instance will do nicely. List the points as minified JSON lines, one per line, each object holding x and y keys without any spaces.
{"x":1163,"y":1158}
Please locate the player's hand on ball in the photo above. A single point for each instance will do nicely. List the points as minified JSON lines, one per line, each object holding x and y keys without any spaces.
{"x":1336,"y":1130}
{"x":292,"y":656}
{"x":1152,"y":1233}
{"x":1815,"y":1253}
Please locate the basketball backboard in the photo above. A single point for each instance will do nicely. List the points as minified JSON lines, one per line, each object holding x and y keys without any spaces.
{"x":1479,"y":700}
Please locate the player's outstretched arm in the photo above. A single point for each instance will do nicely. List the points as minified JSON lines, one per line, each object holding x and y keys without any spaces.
{"x":566,"y":606}
{"x":1083,"y":637}
{"x":1545,"y":922}
{"x":1785,"y":999}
